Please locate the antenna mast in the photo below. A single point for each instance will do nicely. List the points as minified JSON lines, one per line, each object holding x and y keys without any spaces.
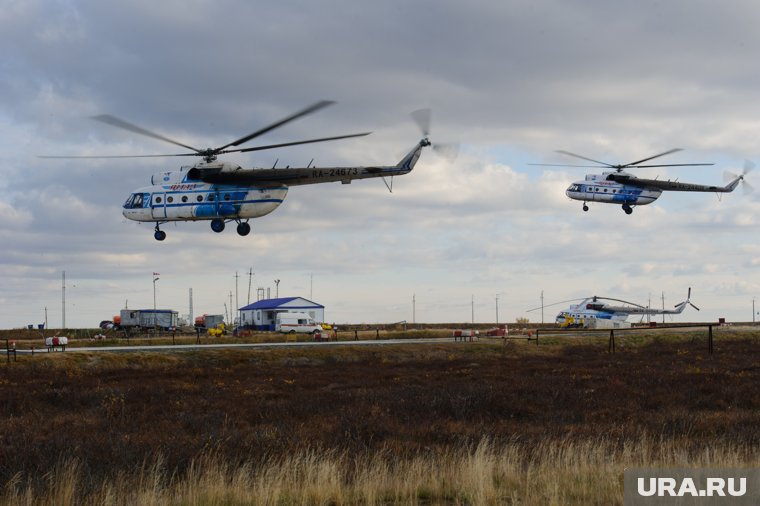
{"x":250,"y":275}
{"x":542,"y":306}
{"x":63,"y":300}
{"x":237,"y":304}
{"x":190,"y":312}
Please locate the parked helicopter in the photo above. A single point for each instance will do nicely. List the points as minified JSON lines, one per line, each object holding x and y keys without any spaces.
{"x":627,"y":190}
{"x":591,"y":309}
{"x":223,"y":192}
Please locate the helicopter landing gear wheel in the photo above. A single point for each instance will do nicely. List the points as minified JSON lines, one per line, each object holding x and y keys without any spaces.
{"x":159,"y":234}
{"x":585,"y":207}
{"x":217,"y":225}
{"x":243,"y":228}
{"x":628,"y":209}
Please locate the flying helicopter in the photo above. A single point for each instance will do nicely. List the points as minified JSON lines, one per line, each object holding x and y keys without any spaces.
{"x":224,"y":192}
{"x":625,"y":189}
{"x":594,"y":308}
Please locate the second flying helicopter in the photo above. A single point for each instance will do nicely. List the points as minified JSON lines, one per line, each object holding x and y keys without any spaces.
{"x":625,"y":189}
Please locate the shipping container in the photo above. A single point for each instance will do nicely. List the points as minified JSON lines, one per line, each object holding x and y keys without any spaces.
{"x":149,"y":318}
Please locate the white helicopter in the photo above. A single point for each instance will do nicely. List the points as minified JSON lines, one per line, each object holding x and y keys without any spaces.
{"x":627,"y":190}
{"x":223,"y":192}
{"x":591,"y":308}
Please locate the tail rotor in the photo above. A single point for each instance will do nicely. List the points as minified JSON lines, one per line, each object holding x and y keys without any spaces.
{"x":741,"y":178}
{"x":449,"y":150}
{"x":688,"y":300}
{"x":422,"y":118}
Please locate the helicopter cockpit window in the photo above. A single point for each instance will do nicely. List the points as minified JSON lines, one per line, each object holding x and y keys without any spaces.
{"x":135,"y":201}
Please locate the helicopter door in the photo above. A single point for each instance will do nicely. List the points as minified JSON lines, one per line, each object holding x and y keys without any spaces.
{"x":158,"y":205}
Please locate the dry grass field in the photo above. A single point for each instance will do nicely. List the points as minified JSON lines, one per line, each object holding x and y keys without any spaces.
{"x":464,"y":423}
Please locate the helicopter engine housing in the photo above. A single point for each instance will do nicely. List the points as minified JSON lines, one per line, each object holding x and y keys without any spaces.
{"x":203,"y":170}
{"x":169,"y":177}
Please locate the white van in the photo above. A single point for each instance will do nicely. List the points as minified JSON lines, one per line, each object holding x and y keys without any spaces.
{"x":296,"y":322}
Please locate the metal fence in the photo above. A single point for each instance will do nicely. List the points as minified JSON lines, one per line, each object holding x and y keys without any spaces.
{"x":534,"y":335}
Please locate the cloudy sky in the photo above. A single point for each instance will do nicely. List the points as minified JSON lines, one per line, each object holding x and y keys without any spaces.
{"x":512,"y":81}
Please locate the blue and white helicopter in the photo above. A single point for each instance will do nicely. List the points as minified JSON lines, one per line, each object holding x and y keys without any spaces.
{"x":223,"y":192}
{"x":591,"y":309}
{"x":625,"y":189}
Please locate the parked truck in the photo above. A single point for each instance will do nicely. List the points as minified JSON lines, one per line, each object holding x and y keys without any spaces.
{"x":209,"y":321}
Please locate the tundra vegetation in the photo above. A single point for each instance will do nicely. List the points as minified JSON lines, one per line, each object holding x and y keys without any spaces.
{"x":454,"y":423}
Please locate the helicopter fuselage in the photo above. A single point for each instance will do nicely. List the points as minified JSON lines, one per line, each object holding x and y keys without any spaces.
{"x":597,"y":188}
{"x":174,"y":196}
{"x":201,"y":201}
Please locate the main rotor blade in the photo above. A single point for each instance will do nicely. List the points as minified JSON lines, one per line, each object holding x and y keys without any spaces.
{"x":312,"y":108}
{"x":620,"y":300}
{"x":652,"y":157}
{"x":564,"y":165}
{"x":118,"y":156}
{"x":120,"y":123}
{"x":668,"y":165}
{"x":555,"y":304}
{"x":587,"y":159}
{"x":273,"y":146}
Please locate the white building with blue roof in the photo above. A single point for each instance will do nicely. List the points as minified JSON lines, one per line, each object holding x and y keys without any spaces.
{"x":262,"y":315}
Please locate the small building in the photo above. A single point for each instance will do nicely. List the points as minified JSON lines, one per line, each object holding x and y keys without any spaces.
{"x":262,"y":315}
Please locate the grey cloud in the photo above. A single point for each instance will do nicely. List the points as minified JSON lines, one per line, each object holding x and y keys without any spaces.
{"x":610,"y":79}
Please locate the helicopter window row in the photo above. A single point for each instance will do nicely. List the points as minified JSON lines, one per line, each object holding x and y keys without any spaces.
{"x":597,"y":189}
{"x":138,"y":197}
